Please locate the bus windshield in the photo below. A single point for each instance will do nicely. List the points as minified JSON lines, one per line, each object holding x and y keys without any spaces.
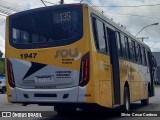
{"x":53,"y":26}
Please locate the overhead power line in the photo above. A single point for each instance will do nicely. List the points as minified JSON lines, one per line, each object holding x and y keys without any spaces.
{"x":2,"y":15}
{"x":10,"y":6}
{"x":92,"y":4}
{"x":50,"y":2}
{"x":4,"y":12}
{"x":134,"y":15}
{"x":1,"y":21}
{"x":81,"y":1}
{"x":123,"y":12}
{"x":151,"y":5}
{"x":43,"y":3}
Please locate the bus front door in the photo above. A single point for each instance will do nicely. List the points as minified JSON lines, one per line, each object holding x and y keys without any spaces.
{"x":151,"y":70}
{"x":115,"y":65}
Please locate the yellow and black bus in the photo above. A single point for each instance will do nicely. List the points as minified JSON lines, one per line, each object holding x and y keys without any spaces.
{"x":71,"y":56}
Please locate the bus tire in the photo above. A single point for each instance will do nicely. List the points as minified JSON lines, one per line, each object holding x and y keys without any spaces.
{"x":65,"y":111}
{"x":3,"y":91}
{"x":126,"y":100}
{"x":61,"y":112}
{"x":145,"y":101}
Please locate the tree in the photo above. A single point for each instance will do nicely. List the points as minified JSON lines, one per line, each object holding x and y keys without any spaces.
{"x":1,"y":54}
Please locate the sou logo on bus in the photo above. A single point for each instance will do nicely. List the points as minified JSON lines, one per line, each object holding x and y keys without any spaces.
{"x":64,"y":53}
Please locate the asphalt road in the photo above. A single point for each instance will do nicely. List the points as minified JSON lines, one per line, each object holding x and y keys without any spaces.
{"x":81,"y":115}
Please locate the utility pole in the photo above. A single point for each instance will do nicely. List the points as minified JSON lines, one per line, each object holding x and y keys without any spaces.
{"x":142,"y":38}
{"x":62,"y":2}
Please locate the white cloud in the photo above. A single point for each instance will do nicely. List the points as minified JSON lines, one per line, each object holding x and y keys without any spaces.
{"x":2,"y":44}
{"x":2,"y":34}
{"x":133,"y":23}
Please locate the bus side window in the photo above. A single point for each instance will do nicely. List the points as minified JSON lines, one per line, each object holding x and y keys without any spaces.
{"x":147,"y":60}
{"x":35,"y":38}
{"x":134,"y":51}
{"x":24,"y":37}
{"x":119,"y":44}
{"x":127,"y":48}
{"x":154,"y":61}
{"x":143,"y":62}
{"x":130,"y":49}
{"x":16,"y":36}
{"x":42,"y":39}
{"x":138,"y":52}
{"x":95,"y":32}
{"x":144,"y":55}
{"x":99,"y":35}
{"x":106,"y":38}
{"x":123,"y":46}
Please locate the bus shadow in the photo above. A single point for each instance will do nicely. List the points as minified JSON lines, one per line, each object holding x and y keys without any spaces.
{"x":138,"y":107}
{"x":82,"y":115}
{"x":96,"y":115}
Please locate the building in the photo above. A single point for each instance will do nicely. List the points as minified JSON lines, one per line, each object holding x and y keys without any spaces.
{"x":157,"y":73}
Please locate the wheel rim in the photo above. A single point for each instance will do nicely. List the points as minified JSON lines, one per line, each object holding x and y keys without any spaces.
{"x":127,"y":103}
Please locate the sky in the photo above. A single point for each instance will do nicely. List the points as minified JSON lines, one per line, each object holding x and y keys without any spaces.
{"x":133,"y":18}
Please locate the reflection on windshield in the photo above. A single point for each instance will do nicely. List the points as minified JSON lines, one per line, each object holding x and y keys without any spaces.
{"x":46,"y":27}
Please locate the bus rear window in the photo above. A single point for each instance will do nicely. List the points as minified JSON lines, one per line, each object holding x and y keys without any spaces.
{"x":53,"y":26}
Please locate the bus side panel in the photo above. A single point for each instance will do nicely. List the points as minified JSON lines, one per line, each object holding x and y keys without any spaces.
{"x":143,"y":83}
{"x":123,"y":77}
{"x":106,"y":93}
{"x":138,"y":82}
{"x":100,"y":75}
{"x":104,"y":79}
{"x":100,"y":85}
{"x":133,"y":78}
{"x":91,"y":87}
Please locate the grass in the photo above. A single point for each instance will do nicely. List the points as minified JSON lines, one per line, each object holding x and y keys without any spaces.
{"x":2,"y":65}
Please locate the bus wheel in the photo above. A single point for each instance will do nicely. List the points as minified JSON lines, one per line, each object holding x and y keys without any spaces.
{"x":145,"y":101}
{"x":65,"y":111}
{"x":126,"y":100}
{"x":3,"y":90}
{"x":61,"y":112}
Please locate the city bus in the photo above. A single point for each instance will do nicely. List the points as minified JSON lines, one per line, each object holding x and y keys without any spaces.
{"x":72,"y":56}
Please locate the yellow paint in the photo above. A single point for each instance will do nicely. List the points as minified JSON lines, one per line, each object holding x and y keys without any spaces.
{"x":105,"y":93}
{"x":100,"y":85}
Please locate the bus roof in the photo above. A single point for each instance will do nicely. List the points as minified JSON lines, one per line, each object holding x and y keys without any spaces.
{"x":105,"y":18}
{"x":115,"y":25}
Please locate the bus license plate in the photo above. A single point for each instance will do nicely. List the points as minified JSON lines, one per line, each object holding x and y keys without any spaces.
{"x":41,"y":79}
